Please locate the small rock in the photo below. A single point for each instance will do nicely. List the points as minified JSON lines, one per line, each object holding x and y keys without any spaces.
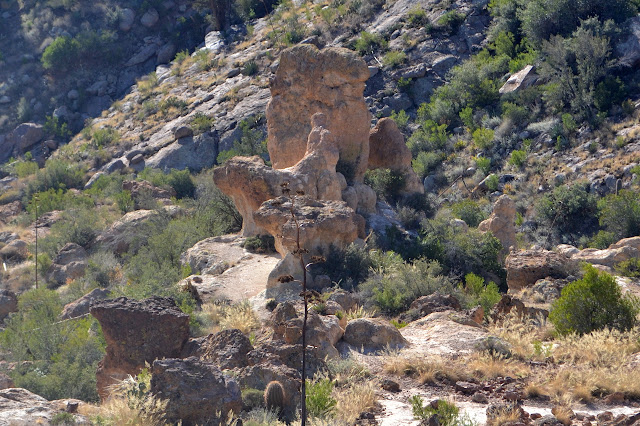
{"x":136,"y":159}
{"x":150,"y":18}
{"x":479,"y":398}
{"x":615,"y":398}
{"x":183,"y":132}
{"x":390,"y":385}
{"x":127,"y":16}
{"x":467,"y":388}
{"x":233,"y":72}
{"x":605,"y":416}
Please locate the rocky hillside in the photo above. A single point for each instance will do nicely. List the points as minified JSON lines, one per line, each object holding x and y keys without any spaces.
{"x":452,"y":186}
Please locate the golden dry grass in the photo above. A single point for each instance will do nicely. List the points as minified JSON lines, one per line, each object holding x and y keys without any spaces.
{"x":504,"y":417}
{"x":425,"y":370}
{"x":485,"y":367}
{"x":360,"y":312}
{"x":219,"y":317}
{"x":353,"y":400}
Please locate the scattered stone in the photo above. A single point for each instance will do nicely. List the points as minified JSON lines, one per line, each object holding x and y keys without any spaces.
{"x":69,"y":264}
{"x":526,"y":267}
{"x":467,"y":388}
{"x":373,"y":334}
{"x":390,"y":385}
{"x":479,"y":398}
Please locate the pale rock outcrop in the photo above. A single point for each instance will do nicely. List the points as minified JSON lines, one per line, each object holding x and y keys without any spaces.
{"x":137,"y":332}
{"x":15,"y":251}
{"x":373,"y":334}
{"x":624,"y":249}
{"x":501,"y":223}
{"x":520,"y":80}
{"x":197,"y":393}
{"x":227,"y":349}
{"x":141,"y":189}
{"x":19,"y":407}
{"x":308,"y":81}
{"x":387,"y":149}
{"x":526,"y":267}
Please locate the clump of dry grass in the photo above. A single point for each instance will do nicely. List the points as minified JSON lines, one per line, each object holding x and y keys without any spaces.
{"x":353,"y":400}
{"x":360,"y":312}
{"x":504,"y":416}
{"x":218,"y":316}
{"x":522,"y":334}
{"x":425,"y":370}
{"x":131,"y":404}
{"x":485,"y":366}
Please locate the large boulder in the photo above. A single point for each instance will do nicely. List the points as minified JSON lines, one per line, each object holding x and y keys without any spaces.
{"x":388,"y":150}
{"x":81,"y":306}
{"x":260,"y":375}
{"x":308,"y":81}
{"x":501,"y":223}
{"x":144,"y":189}
{"x":20,"y":140}
{"x":197,"y":393}
{"x":323,"y":332}
{"x":15,"y":251}
{"x":526,"y":267}
{"x":21,"y":407}
{"x":520,"y":80}
{"x":137,"y":332}
{"x":70,"y":263}
{"x":227,"y":349}
{"x":192,"y":152}
{"x":373,"y":334}
{"x":212,"y":256}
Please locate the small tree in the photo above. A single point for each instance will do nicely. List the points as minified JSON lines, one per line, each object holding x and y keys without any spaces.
{"x":593,"y":303}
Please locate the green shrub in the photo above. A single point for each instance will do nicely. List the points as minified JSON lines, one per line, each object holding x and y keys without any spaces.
{"x":480,"y":294}
{"x":386,"y":183}
{"x":251,"y":142}
{"x":369,"y":42}
{"x":602,"y":239}
{"x":172,"y":102}
{"x":60,"y":54}
{"x":483,"y":138}
{"x":451,"y":21}
{"x":518,"y":157}
{"x":105,"y":136}
{"x":629,"y":268}
{"x":57,"y":200}
{"x":56,"y":129}
{"x":394,"y":58}
{"x":57,"y":174}
{"x":348,"y":267}
{"x":446,"y":413}
{"x":182,"y":183}
{"x":492,"y":182}
{"x":201,"y":123}
{"x":401,"y":118}
{"x":593,"y":303}
{"x":431,"y":136}
{"x":569,"y":210}
{"x":78,"y":225}
{"x":124,"y":201}
{"x":620,"y":214}
{"x":469,"y":211}
{"x":250,"y":68}
{"x":319,"y":401}
{"x":25,"y":168}
{"x":483,"y":163}
{"x":417,"y":17}
{"x":394,"y":291}
{"x":260,"y":244}
{"x":252,"y":398}
{"x":426,"y":162}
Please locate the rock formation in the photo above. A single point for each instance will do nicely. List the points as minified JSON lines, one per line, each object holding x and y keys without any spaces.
{"x":526,"y":267}
{"x":197,"y":393}
{"x":69,"y":264}
{"x":624,"y":249}
{"x":373,"y":334}
{"x":501,"y":223}
{"x":137,"y":332}
{"x":308,"y":81}
{"x":387,"y":149}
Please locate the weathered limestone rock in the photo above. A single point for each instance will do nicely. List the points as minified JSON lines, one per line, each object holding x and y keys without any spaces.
{"x":322,"y":223}
{"x":227,"y":349}
{"x":520,"y":80}
{"x":308,"y":81}
{"x":137,"y":332}
{"x":197,"y":393}
{"x":15,"y":251}
{"x":387,"y":149}
{"x":526,"y":267}
{"x":69,"y":264}
{"x":373,"y":334}
{"x":81,"y":306}
{"x":624,"y":249}
{"x":20,"y":407}
{"x":501,"y":223}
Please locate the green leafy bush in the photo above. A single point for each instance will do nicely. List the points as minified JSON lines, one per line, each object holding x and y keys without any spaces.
{"x":59,"y":130}
{"x":394,"y":58}
{"x":593,"y":303}
{"x":518,"y":157}
{"x":201,"y":123}
{"x":260,"y":244}
{"x":480,"y":294}
{"x":446,"y":413}
{"x":105,"y":136}
{"x":369,"y":42}
{"x":319,"y":401}
{"x":629,"y":268}
{"x":620,"y":214}
{"x":251,"y":142}
{"x":57,"y":200}
{"x":417,"y":17}
{"x":483,"y":138}
{"x":426,"y":162}
{"x":56,"y":174}
{"x":451,"y":21}
{"x":570,"y":211}
{"x":60,"y":54}
{"x":469,"y":211}
{"x":401,"y":118}
{"x":386,"y":183}
{"x":250,"y":68}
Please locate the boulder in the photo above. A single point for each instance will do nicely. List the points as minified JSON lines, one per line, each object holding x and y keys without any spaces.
{"x":629,"y":49}
{"x":122,"y":232}
{"x":193,"y":153}
{"x":18,"y":141}
{"x":308,"y":81}
{"x":260,"y":375}
{"x":502,"y":223}
{"x":526,"y":267}
{"x":212,"y":256}
{"x":150,"y":18}
{"x":388,"y":150}
{"x":227,"y":349}
{"x":8,"y":303}
{"x":347,"y":301}
{"x":509,"y":304}
{"x":80,"y":307}
{"x":183,"y":132}
{"x":373,"y":334}
{"x":141,"y":189}
{"x":323,"y":332}
{"x":127,"y":17}
{"x":435,"y":302}
{"x":6,"y":381}
{"x":196,"y":392}
{"x":8,"y":236}
{"x":520,"y":80}
{"x":608,"y":257}
{"x":137,"y":332}
{"x":15,"y":251}
{"x":21,"y":407}
{"x":68,"y":265}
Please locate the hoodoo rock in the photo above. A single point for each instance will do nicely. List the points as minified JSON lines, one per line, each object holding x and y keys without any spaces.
{"x":387,"y":149}
{"x":137,"y":331}
{"x":308,"y":81}
{"x":501,"y":223}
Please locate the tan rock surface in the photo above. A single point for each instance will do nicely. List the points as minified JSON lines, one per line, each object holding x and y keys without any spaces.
{"x":308,"y":81}
{"x":387,"y":149}
{"x":525,"y":267}
{"x":501,"y":223}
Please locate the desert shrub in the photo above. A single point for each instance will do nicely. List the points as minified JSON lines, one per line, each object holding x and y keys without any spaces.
{"x":369,"y":42}
{"x":57,"y":200}
{"x":182,"y":183}
{"x":629,"y":268}
{"x":260,"y":244}
{"x":469,"y":211}
{"x":386,"y":183}
{"x":485,"y":295}
{"x":201,"y":123}
{"x":172,"y":102}
{"x":56,"y":174}
{"x":620,"y":214}
{"x":492,"y":182}
{"x":609,"y":92}
{"x":394,"y":58}
{"x":60,"y":54}
{"x":250,"y":68}
{"x":401,"y":118}
{"x":124,"y":201}
{"x":602,"y":239}
{"x":426,"y":162}
{"x":348,"y":267}
{"x":417,"y":17}
{"x":431,"y":136}
{"x":483,"y":138}
{"x":319,"y":401}
{"x":56,"y":129}
{"x":518,"y":157}
{"x":483,"y":164}
{"x":394,"y":291}
{"x":25,"y":168}
{"x":570,"y":211}
{"x":63,"y":356}
{"x":105,"y":136}
{"x":446,"y":413}
{"x":451,"y":21}
{"x":251,"y":142}
{"x":593,"y":303}
{"x":77,"y":225}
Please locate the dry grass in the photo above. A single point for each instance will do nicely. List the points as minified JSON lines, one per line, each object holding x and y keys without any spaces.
{"x":605,"y":348}
{"x":353,"y":400}
{"x":360,"y":312}
{"x":523,"y":335}
{"x":504,"y":417}
{"x":217,"y":317}
{"x":425,"y":370}
{"x":128,"y":406}
{"x":485,"y":367}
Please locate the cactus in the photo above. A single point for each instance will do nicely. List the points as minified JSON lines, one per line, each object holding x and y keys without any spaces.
{"x":274,"y":396}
